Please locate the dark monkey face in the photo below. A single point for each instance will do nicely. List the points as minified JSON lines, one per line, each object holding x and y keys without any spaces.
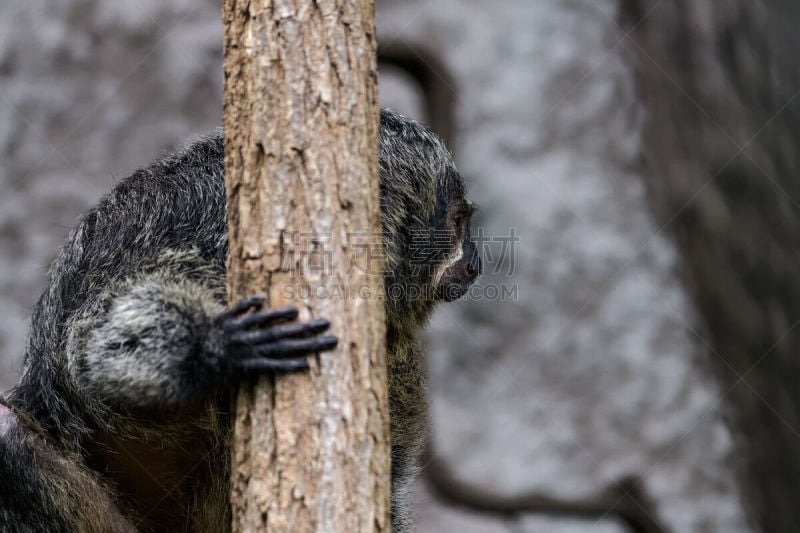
{"x":460,"y":264}
{"x":425,"y":219}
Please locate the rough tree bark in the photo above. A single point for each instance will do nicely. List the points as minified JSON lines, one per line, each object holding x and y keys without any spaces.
{"x":722,"y":97}
{"x":311,"y":450}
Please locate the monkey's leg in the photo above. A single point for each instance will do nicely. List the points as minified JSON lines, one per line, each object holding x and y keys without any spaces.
{"x":162,"y":344}
{"x":46,"y":490}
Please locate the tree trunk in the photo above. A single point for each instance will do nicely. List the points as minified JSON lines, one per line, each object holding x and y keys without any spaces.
{"x":310,"y":450}
{"x":720,"y":86}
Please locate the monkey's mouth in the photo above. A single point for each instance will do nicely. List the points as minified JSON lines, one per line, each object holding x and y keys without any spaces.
{"x":456,"y":281}
{"x":454,"y":291}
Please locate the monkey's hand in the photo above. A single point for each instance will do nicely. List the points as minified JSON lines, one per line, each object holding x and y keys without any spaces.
{"x":251,"y":340}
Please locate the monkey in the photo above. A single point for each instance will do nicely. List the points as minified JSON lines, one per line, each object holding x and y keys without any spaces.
{"x":120,"y":420}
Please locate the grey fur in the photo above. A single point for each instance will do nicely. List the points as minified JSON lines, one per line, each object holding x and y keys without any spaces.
{"x":127,"y":373}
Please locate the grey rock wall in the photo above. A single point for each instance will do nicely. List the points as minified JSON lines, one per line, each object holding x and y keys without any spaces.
{"x":589,"y":377}
{"x":594,"y":373}
{"x":89,"y":91}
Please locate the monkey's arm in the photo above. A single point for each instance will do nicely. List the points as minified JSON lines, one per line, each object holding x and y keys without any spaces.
{"x":166,"y":343}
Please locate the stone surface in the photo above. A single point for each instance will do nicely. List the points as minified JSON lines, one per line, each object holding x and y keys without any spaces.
{"x":89,"y":91}
{"x":589,"y":375}
{"x":593,"y":372}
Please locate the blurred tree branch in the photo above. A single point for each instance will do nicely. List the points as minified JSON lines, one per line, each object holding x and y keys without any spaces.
{"x":720,"y":86}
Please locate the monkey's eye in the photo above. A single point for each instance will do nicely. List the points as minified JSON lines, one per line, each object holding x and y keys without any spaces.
{"x":461,"y":216}
{"x":128,"y":344}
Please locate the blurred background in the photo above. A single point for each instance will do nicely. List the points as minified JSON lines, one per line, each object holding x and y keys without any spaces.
{"x":635,"y":165}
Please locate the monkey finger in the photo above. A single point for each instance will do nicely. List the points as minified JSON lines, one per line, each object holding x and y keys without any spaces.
{"x":281,"y":314}
{"x":295,"y":347}
{"x":259,"y":365}
{"x":245,"y":304}
{"x":307,"y":329}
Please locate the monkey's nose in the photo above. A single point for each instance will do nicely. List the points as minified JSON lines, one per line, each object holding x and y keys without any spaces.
{"x":474,"y":266}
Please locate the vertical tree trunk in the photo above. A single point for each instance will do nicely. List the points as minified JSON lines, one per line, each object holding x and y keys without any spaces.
{"x":311,"y":450}
{"x":720,"y":85}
